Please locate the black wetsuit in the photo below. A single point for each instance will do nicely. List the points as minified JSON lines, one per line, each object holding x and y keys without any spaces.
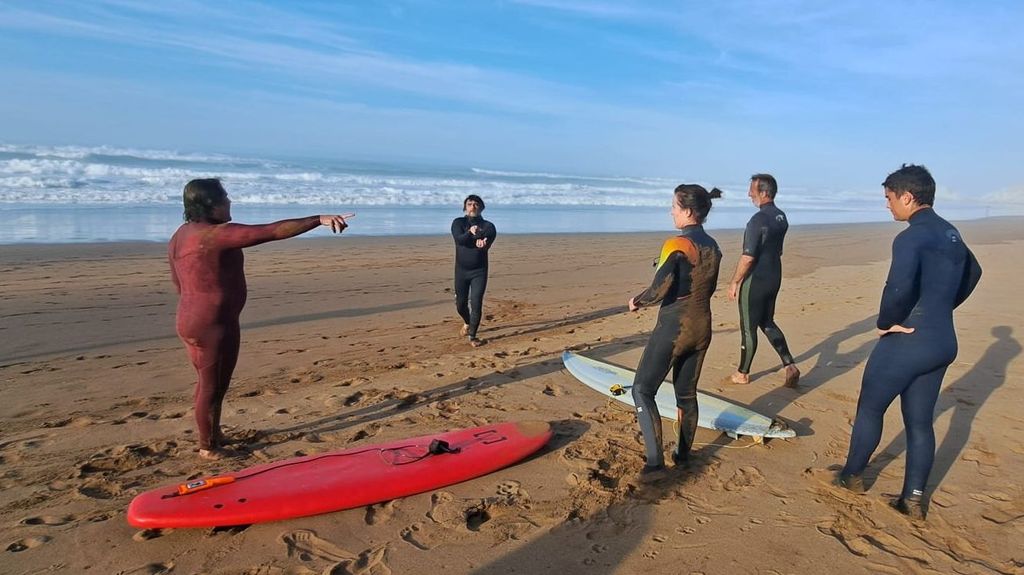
{"x":687,"y":276}
{"x":471,"y":268}
{"x":762,"y":241}
{"x":932,"y":272}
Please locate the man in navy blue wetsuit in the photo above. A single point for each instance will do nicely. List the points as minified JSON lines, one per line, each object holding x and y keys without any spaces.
{"x":932,"y":272}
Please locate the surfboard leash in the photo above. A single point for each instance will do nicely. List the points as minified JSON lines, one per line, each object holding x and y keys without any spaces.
{"x":436,"y":447}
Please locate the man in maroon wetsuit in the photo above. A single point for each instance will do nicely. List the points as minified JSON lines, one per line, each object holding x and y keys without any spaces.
{"x":207,"y":267}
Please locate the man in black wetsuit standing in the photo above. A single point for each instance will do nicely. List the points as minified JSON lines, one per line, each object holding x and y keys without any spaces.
{"x":758,"y":279}
{"x":932,"y":272}
{"x":473,"y":239}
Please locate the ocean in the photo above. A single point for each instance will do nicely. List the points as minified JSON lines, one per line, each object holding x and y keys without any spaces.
{"x":63,"y":194}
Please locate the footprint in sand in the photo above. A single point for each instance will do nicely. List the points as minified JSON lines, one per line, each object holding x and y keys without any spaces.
{"x":99,"y":489}
{"x":512,"y":489}
{"x":128,"y":458}
{"x":27,"y":543}
{"x":313,"y":438}
{"x":99,"y":518}
{"x":369,"y":562}
{"x":854,"y":543}
{"x":448,"y":407}
{"x":745,"y":478}
{"x":147,"y":534}
{"x":352,"y":381}
{"x":49,"y":520}
{"x":56,"y":423}
{"x":420,"y":536}
{"x":444,"y":510}
{"x":354,"y":399}
{"x":368,"y":431}
{"x":857,"y":527}
{"x":987,"y":462}
{"x":476,"y":516}
{"x":169,"y":415}
{"x":406,"y":399}
{"x":381,"y":512}
{"x":151,"y":569}
{"x":306,"y":545}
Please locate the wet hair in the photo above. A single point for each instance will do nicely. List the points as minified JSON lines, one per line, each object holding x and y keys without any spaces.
{"x":201,"y":197}
{"x":766,"y":184}
{"x":915,"y":180}
{"x":696,"y":199}
{"x":476,"y":199}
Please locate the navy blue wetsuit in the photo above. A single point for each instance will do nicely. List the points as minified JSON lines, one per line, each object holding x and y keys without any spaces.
{"x":932,"y":272}
{"x":471,"y":268}
{"x":762,"y":241}
{"x":687,"y":276}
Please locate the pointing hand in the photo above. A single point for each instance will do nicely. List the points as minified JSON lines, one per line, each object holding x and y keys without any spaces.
{"x":336,"y":222}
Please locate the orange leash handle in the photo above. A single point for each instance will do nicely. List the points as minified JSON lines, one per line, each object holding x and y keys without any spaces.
{"x":201,"y":484}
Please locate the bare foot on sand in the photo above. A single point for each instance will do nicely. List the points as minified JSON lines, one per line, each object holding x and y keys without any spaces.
{"x":213,"y":454}
{"x":465,"y":330}
{"x":792,"y":375}
{"x":740,"y":378}
{"x":476,"y":342}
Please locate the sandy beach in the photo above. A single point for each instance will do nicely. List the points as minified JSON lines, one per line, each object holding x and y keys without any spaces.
{"x":350,"y":341}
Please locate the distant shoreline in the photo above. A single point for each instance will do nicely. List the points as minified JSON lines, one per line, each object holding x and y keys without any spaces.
{"x":353,"y":233}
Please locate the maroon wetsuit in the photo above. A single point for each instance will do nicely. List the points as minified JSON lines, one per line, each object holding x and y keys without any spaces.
{"x":207,"y":267}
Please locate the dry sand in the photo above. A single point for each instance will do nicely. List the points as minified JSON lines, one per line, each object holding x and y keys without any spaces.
{"x":349,"y":341}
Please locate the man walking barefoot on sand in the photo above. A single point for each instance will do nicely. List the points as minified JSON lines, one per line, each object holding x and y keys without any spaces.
{"x":758,"y":279}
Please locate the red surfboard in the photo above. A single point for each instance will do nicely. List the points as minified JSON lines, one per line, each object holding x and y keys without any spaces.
{"x":338,"y":480}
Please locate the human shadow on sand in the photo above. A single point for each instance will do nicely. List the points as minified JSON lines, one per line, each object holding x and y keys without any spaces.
{"x":600,"y":538}
{"x":394,"y":403}
{"x":275,"y":321}
{"x":964,"y":397}
{"x":830,"y":364}
{"x":539,"y":326}
{"x":619,"y":521}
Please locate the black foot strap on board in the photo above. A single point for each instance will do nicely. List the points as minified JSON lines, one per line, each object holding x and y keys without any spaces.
{"x":439,"y":446}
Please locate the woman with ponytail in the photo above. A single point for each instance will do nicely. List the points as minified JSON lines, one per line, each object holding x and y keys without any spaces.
{"x":686,"y":277}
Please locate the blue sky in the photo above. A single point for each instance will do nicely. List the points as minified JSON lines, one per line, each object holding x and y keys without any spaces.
{"x":819,"y":93}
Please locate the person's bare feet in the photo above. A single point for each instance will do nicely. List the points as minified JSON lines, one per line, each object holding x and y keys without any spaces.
{"x":212,"y":454}
{"x":792,"y":375}
{"x":740,"y":378}
{"x":475,"y":342}
{"x":465,"y":330}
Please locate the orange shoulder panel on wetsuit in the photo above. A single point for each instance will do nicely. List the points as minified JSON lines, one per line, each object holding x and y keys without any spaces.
{"x":678,"y":244}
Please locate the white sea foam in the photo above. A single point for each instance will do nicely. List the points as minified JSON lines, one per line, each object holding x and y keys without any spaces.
{"x":82,"y":152}
{"x":69,"y":194}
{"x":77,"y":175}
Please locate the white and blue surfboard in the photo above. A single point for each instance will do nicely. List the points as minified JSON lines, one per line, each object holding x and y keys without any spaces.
{"x":714,"y":413}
